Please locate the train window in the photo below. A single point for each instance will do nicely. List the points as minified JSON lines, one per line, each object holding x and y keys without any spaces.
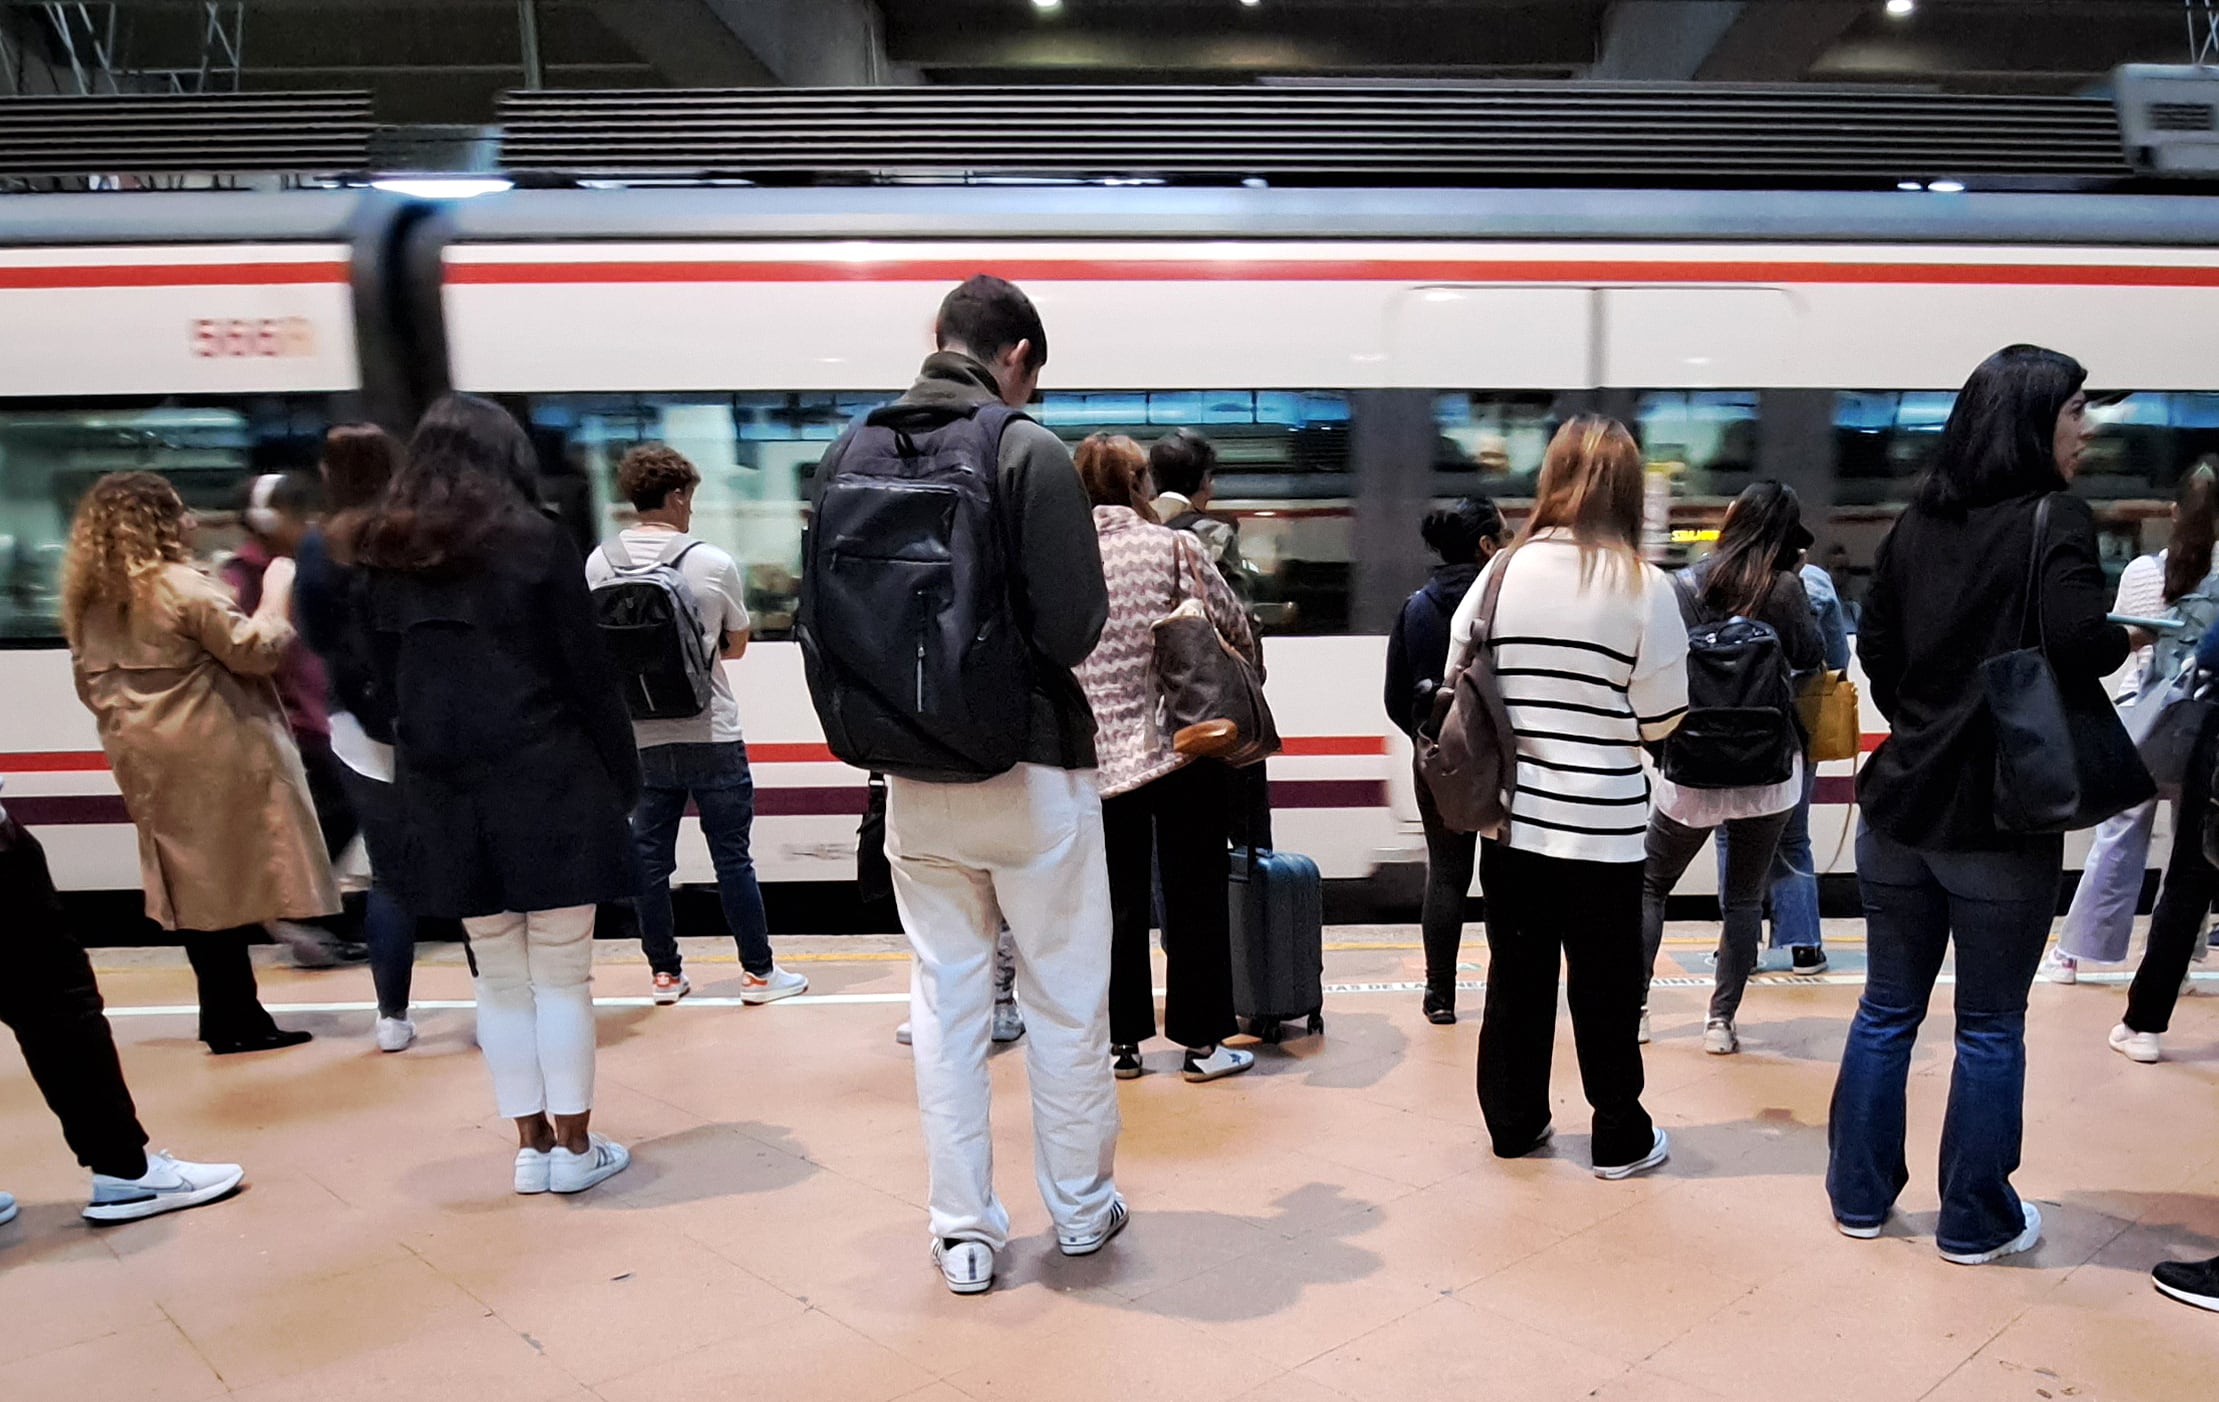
{"x":50,"y":453}
{"x":1711,"y":435}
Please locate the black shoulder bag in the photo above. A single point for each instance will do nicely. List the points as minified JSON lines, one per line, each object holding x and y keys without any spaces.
{"x":2059,"y":766}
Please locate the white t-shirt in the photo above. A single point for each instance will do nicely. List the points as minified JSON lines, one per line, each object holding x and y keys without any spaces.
{"x":721,"y":596}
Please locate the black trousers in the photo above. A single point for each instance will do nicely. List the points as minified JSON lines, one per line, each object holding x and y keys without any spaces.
{"x":1180,"y":820}
{"x":49,"y":999}
{"x":230,"y":1003}
{"x":2183,"y":899}
{"x":1541,"y":910}
{"x":1449,"y":858}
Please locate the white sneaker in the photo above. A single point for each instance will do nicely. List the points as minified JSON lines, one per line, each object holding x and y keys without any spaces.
{"x":967,"y":1266}
{"x":669,"y":988}
{"x":2060,"y":967}
{"x":2024,"y":1241}
{"x":901,"y":1034}
{"x":8,"y":1209}
{"x":574,"y":1173}
{"x":1009,"y":1024}
{"x":1659,"y":1151}
{"x":771,"y":987}
{"x":532,"y":1170}
{"x":1719,"y":1038}
{"x":168,"y":1185}
{"x":2133,"y":1045}
{"x":1217,"y":1063}
{"x":1643,"y":1035}
{"x":1094,"y":1241}
{"x":1858,"y":1233}
{"x":395,"y":1033}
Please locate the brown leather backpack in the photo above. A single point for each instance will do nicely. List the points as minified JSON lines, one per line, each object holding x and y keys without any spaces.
{"x":1467,"y":754}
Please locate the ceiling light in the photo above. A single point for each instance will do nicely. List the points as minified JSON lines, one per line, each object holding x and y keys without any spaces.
{"x":1946,"y":187}
{"x":1251,"y":4}
{"x":1900,"y":8}
{"x":1908,"y":185}
{"x":437,"y":187}
{"x":1045,"y":5}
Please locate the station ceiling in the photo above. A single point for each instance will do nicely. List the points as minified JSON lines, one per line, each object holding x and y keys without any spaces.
{"x":447,"y":60}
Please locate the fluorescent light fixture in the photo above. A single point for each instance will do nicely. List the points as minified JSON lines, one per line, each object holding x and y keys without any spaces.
{"x":1908,"y":185}
{"x":1047,"y":4}
{"x":1900,"y":8}
{"x":1946,"y":187}
{"x":1251,"y":4}
{"x":437,"y":187}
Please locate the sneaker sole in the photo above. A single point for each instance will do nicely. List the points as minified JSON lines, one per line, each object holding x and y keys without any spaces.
{"x":594,"y":1182}
{"x":664,"y":1000}
{"x":1132,"y":1074}
{"x":1657,"y":1158}
{"x":2136,"y":1057}
{"x":756,"y":1000}
{"x":1204,"y":1077}
{"x":163,"y":1202}
{"x":1856,"y":1233}
{"x":2019,"y":1245}
{"x":8,"y":1214}
{"x":1090,"y":1247}
{"x":960,"y":1287}
{"x":2186,"y":1297}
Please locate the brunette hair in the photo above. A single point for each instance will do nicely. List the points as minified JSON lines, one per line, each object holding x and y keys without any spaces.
{"x":651,"y":472}
{"x":988,"y":315}
{"x":1114,"y":472}
{"x":360,"y":461}
{"x":1454,"y":532}
{"x":1753,"y":547}
{"x":1183,"y":461}
{"x":128,"y":528}
{"x":2195,"y":522}
{"x":462,"y":485}
{"x":1590,"y":487}
{"x":2000,"y":440}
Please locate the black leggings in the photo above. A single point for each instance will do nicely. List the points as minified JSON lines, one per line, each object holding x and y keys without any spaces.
{"x":1180,"y":820}
{"x":2182,"y":900}
{"x":1449,"y":858}
{"x":230,"y":1004}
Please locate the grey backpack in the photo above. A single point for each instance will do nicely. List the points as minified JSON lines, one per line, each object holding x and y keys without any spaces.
{"x":647,"y":616}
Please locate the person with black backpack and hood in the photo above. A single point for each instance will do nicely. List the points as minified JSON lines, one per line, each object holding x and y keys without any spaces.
{"x":1465,"y":536}
{"x":952,"y":582}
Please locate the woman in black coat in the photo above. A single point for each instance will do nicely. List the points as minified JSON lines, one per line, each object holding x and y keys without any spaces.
{"x":515,"y":763}
{"x":1465,"y":536}
{"x":1949,"y":591}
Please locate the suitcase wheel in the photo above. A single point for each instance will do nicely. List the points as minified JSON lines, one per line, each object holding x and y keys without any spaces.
{"x":1270,"y":1033}
{"x":1317,"y":1023}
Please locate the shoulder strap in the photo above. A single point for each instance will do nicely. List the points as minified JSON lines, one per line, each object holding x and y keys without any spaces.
{"x":676,"y":549}
{"x":2030,"y":604}
{"x":613,"y":551}
{"x":1483,"y":627}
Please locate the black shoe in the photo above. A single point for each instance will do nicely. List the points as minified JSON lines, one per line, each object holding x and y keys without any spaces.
{"x":2190,"y":1282}
{"x":1125,"y":1061}
{"x":1809,"y":958}
{"x":1440,"y":1009}
{"x":271,"y":1040}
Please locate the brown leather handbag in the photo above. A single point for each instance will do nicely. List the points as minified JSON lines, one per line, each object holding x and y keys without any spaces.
{"x":1213,"y":696}
{"x":1467,"y":755}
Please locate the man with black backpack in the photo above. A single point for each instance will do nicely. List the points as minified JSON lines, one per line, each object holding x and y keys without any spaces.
{"x":951,"y":583}
{"x":670,"y":608}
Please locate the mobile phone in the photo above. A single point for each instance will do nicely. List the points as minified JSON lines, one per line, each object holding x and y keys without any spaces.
{"x":2154,"y":625}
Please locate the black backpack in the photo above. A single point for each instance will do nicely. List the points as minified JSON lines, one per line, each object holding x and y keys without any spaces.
{"x":909,"y":638}
{"x":652,"y":626}
{"x":1739,"y":731}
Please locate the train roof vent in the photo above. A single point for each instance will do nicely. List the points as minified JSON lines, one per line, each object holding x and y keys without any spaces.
{"x":1321,"y":134}
{"x":149,"y":140}
{"x":2169,"y":118}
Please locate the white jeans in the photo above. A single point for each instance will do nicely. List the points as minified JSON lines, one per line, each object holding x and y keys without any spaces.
{"x":535,"y":1008}
{"x":1025,"y":846}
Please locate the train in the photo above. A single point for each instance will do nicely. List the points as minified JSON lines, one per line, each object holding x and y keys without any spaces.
{"x":1356,"y":355}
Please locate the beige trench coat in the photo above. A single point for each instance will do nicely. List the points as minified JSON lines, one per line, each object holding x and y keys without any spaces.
{"x":189,"y":718}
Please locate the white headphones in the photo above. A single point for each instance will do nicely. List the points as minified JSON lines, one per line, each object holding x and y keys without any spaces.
{"x":262,"y":519}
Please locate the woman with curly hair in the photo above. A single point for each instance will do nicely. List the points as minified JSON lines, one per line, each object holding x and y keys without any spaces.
{"x":179,"y":680}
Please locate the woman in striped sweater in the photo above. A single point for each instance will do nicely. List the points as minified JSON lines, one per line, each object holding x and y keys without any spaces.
{"x":1157,"y":802}
{"x":1592,"y":656}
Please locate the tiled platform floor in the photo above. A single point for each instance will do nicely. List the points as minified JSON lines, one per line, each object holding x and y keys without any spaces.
{"x":1330,"y":1227}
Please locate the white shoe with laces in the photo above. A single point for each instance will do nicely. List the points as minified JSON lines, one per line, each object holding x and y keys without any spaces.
{"x":2135,"y":1046}
{"x":769,"y":988}
{"x":532,"y":1166}
{"x":2024,"y":1241}
{"x":1720,"y":1039}
{"x":395,"y":1034}
{"x":168,"y":1185}
{"x":1659,"y":1151}
{"x":669,"y":988}
{"x":967,"y":1266}
{"x":1091,"y":1242}
{"x":2060,"y":967}
{"x":1217,"y":1063}
{"x":574,"y":1173}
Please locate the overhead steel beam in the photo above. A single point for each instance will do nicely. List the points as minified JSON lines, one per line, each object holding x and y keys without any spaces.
{"x":1662,"y":40}
{"x":1775,"y":43}
{"x":687,"y":42}
{"x":811,"y":43}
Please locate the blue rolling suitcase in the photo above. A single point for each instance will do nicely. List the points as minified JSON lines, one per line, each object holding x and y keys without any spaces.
{"x":1278,"y":910}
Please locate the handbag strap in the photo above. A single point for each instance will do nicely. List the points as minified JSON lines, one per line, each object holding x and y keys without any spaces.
{"x":2030,"y":602}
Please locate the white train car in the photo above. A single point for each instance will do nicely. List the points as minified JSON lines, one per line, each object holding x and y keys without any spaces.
{"x":1356,"y":354}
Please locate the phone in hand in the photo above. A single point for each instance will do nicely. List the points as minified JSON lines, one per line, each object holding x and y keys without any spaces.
{"x":2154,"y":625}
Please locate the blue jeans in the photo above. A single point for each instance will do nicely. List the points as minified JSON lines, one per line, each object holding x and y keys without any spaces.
{"x":387,"y":928}
{"x":716,"y":778}
{"x":1997,"y":907}
{"x":1794,"y":892}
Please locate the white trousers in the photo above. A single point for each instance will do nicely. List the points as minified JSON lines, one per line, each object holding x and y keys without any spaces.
{"x":535,"y":1008}
{"x":1025,"y":847}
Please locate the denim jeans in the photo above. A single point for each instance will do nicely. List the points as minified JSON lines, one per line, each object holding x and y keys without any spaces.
{"x":1996,"y":906}
{"x":1745,"y":847}
{"x":716,"y":778}
{"x":1794,"y":875}
{"x":387,"y":928}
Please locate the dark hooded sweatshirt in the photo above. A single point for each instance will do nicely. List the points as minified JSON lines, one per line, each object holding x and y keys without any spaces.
{"x":1418,"y":648}
{"x":1055,"y":574}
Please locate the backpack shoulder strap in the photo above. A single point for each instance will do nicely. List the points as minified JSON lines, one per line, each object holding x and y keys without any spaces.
{"x":677,"y":548}
{"x":614,"y":551}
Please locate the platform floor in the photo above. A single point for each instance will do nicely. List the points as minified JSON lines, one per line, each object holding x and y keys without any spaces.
{"x":1330,"y":1226}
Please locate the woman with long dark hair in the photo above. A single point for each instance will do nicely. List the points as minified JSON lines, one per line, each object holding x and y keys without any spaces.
{"x":359,"y":460}
{"x":1593,"y":661}
{"x":515,"y":764}
{"x":1465,"y":536}
{"x":1752,"y":574}
{"x":2179,"y":583}
{"x":1949,"y":591}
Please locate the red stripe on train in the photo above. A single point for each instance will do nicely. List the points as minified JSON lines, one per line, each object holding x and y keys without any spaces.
{"x":1038,"y":268}
{"x":14,"y":279}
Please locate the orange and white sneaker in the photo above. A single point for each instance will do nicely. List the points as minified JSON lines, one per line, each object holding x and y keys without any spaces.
{"x":669,"y":988}
{"x":770,"y":987}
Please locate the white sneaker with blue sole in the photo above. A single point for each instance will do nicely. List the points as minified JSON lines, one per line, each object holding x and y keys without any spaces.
{"x":168,"y":1185}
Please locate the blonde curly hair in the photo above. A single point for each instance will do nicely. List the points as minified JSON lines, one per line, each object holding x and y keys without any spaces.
{"x":128,"y":526}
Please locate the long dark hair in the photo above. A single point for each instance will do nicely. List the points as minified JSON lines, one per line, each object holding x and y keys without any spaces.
{"x":2195,"y":522}
{"x":2000,"y":440}
{"x":360,"y":461}
{"x":1454,"y":532}
{"x":466,"y":479}
{"x":1762,"y":534}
